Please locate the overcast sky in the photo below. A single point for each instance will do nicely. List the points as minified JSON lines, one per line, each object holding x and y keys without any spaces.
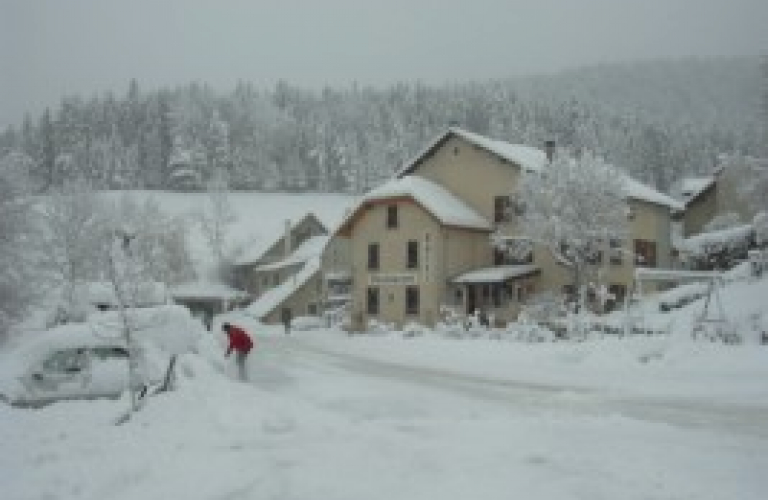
{"x":49,"y":48}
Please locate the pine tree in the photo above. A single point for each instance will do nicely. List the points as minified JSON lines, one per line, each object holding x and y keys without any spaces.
{"x":48,"y":152}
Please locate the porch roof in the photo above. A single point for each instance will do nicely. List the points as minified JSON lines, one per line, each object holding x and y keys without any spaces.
{"x":496,"y":274}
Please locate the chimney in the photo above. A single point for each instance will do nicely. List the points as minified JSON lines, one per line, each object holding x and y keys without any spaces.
{"x":287,"y":238}
{"x":549,"y":148}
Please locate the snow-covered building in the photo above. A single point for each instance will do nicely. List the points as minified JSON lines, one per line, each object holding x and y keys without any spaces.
{"x":422,"y":241}
{"x":731,"y":188}
{"x":207,"y":299}
{"x":303,"y":272}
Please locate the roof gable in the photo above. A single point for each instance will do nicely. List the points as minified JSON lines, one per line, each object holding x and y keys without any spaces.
{"x":446,"y":208}
{"x":258,"y":252}
{"x":526,"y":157}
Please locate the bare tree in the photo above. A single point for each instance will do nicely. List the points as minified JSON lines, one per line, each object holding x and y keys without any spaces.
{"x":126,"y":277}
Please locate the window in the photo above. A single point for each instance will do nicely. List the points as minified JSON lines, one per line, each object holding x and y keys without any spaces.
{"x":615,"y":251}
{"x":392,"y":216}
{"x":645,"y":253}
{"x":411,"y":300}
{"x":373,"y":256}
{"x":312,"y":309}
{"x":105,"y":353}
{"x":373,"y":301}
{"x":412,"y":257}
{"x":500,"y":208}
{"x":276,"y":279}
{"x":512,"y":258}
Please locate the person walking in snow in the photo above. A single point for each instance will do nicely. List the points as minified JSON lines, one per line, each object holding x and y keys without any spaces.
{"x":241,"y":343}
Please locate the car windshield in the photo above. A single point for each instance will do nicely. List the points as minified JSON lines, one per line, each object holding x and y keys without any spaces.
{"x":65,"y":361}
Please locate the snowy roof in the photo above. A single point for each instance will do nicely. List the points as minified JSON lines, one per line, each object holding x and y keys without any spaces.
{"x":736,"y":235}
{"x":444,"y":206}
{"x":207,"y":290}
{"x":639,"y":191}
{"x":257,"y":249}
{"x":532,"y":159}
{"x":276,"y":296}
{"x":675,"y":275}
{"x":528,"y":157}
{"x":495,"y":274}
{"x":691,"y":187}
{"x":312,"y":247}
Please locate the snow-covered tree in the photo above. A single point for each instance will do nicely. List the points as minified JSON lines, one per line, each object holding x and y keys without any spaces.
{"x":160,"y":240}
{"x":217,"y":219}
{"x":17,"y":286}
{"x":575,"y":207}
{"x":73,"y":220}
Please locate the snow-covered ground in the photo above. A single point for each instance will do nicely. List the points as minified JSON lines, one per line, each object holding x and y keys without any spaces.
{"x":326,"y":415}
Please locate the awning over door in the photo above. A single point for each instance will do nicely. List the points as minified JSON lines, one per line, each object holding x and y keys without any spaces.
{"x":496,"y":274}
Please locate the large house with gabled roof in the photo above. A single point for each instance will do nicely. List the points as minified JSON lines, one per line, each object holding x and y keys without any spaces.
{"x":421,"y":243}
{"x":299,"y":273}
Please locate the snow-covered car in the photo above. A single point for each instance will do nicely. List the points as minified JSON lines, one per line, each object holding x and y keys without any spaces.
{"x":69,"y":362}
{"x":90,"y":360}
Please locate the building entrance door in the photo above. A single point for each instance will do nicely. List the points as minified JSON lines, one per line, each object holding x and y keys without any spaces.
{"x":471,"y":298}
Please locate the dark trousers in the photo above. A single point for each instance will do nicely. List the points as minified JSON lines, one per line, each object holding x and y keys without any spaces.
{"x":240,"y":358}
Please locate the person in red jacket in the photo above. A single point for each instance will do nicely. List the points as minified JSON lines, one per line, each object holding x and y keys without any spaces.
{"x":241,"y":343}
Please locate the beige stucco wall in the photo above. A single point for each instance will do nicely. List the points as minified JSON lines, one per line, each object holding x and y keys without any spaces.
{"x":729,"y":198}
{"x":299,"y":302}
{"x":443,"y":253}
{"x":700,"y":211}
{"x":471,"y":173}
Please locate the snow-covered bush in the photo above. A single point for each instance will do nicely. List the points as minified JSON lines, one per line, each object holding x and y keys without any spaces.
{"x":530,"y":332}
{"x":722,"y":221}
{"x":719,"y":249}
{"x":760,"y":224}
{"x":452,"y":323}
{"x":303,"y":323}
{"x":172,"y":328}
{"x":376,"y":326}
{"x":543,"y":308}
{"x":413,"y":329}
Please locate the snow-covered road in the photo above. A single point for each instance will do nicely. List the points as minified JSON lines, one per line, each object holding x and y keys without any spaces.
{"x":529,"y":396}
{"x":322,"y":420}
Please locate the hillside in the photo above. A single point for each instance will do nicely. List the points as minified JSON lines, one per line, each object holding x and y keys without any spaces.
{"x":658,"y":120}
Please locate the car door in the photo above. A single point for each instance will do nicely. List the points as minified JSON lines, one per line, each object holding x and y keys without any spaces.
{"x":62,"y":374}
{"x":108,"y":371}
